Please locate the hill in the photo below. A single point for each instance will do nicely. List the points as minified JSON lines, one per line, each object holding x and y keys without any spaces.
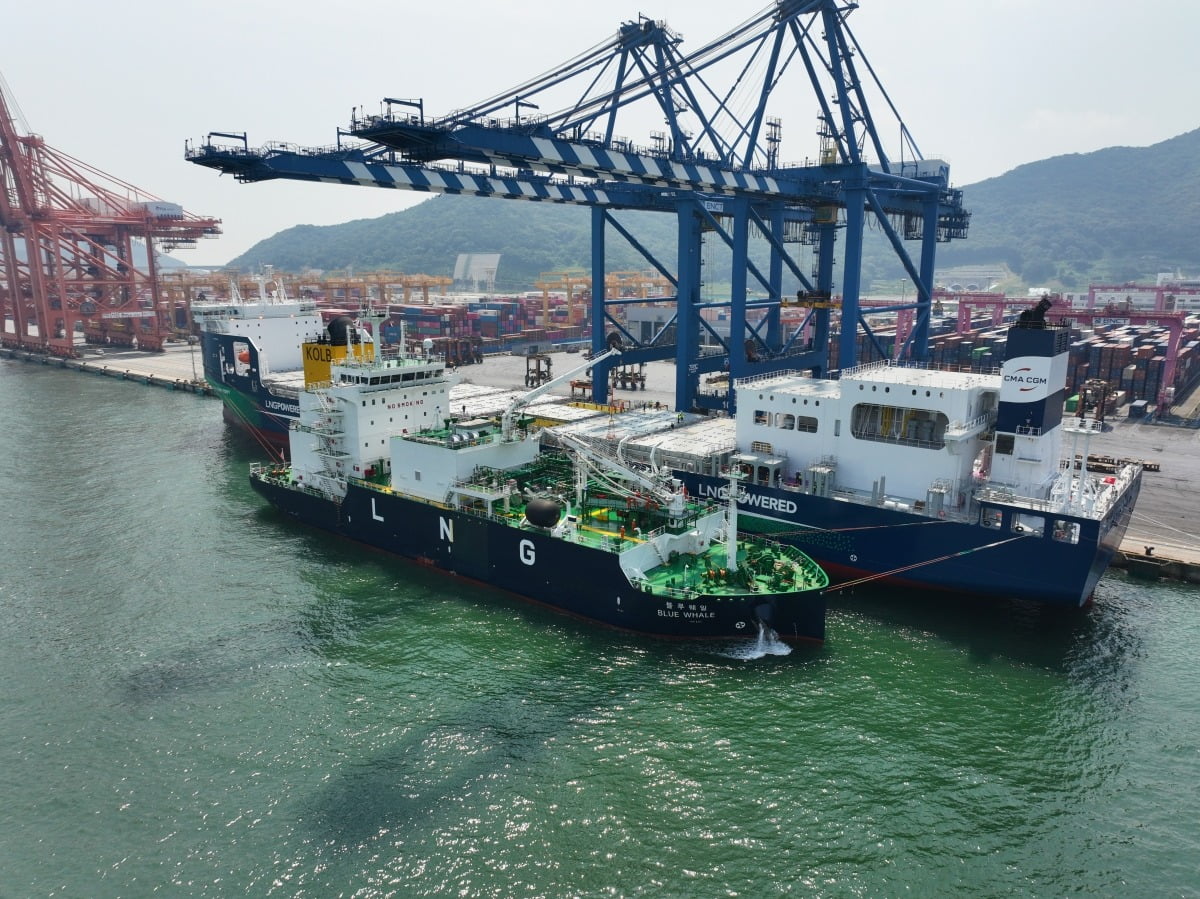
{"x":532,"y":238}
{"x":1114,"y":215}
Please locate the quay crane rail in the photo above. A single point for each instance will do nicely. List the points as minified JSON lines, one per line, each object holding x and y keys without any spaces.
{"x":718,"y":167}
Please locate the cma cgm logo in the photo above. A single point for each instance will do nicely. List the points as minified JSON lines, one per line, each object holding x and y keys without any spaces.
{"x":1034,"y":381}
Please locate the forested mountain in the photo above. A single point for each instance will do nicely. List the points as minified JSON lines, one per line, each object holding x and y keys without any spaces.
{"x":1111,"y":216}
{"x":1119,"y":214}
{"x":532,"y":238}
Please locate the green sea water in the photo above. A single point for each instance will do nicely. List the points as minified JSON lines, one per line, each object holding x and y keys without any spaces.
{"x":202,"y":699}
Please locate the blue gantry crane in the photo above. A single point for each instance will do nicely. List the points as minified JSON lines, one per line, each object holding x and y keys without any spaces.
{"x":713,"y":159}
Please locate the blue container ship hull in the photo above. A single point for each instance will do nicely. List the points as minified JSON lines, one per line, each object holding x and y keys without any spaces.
{"x":853,"y":541}
{"x":570,"y":578}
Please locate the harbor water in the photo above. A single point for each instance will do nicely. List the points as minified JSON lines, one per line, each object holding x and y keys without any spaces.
{"x":203,"y":699}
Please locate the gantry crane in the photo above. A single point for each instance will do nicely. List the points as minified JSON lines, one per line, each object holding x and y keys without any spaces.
{"x":717,"y":166}
{"x":67,"y":249}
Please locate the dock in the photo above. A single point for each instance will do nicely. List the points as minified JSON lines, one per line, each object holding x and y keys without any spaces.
{"x":178,"y":367}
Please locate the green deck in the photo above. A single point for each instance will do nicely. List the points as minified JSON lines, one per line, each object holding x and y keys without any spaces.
{"x":619,"y":523}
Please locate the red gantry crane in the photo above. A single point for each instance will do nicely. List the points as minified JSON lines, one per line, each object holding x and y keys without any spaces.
{"x":68,"y":236}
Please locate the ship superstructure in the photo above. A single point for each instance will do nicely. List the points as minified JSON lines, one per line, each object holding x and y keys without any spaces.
{"x":253,"y":356}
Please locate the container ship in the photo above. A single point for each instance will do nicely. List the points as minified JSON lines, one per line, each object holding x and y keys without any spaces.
{"x":970,"y":483}
{"x":963,"y":482}
{"x":253,"y":357}
{"x":377,"y":457}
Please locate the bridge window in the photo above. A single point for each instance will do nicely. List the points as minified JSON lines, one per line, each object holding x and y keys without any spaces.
{"x":806,"y":423}
{"x":762,"y":417}
{"x":787,"y":422}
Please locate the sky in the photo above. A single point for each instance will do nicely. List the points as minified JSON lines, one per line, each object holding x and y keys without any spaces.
{"x":986,"y":85}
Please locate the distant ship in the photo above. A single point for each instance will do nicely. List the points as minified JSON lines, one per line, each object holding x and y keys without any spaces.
{"x":255,"y":354}
{"x":377,"y":457}
{"x":935,"y":480}
{"x":253,"y":357}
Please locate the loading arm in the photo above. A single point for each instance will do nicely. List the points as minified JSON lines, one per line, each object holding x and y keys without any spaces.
{"x":509,"y":419}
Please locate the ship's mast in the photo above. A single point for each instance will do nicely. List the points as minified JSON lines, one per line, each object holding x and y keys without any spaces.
{"x":731,"y":548}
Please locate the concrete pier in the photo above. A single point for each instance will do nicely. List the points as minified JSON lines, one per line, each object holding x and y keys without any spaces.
{"x":179,"y":367}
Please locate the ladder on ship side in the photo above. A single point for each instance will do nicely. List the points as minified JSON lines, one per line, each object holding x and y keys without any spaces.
{"x":330,"y":436}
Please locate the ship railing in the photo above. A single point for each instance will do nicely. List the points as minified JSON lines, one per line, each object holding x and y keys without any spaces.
{"x":320,"y":428}
{"x":646,"y":586}
{"x":280,"y":473}
{"x":866,"y":498}
{"x":867,"y":366}
{"x":442,"y":441}
{"x":1033,"y":504}
{"x":756,"y":379}
{"x":813,"y":573}
{"x":1082,"y":426}
{"x":1110,"y":493}
{"x":1095,"y":503}
{"x":897,"y":440}
{"x":958,"y":429}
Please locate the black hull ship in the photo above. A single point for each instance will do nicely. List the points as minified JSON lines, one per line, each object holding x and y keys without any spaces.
{"x":375,"y":458}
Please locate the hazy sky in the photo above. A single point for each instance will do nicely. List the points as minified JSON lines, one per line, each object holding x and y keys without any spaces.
{"x":985,"y":84}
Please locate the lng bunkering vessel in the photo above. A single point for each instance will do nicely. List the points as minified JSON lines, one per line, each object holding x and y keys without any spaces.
{"x":964,"y":482}
{"x":377,"y":456}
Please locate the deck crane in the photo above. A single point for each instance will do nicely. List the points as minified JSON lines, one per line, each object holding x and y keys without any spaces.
{"x":717,"y":166}
{"x":67,"y":249}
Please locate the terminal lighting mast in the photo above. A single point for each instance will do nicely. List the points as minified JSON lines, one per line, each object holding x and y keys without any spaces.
{"x":68,"y":235}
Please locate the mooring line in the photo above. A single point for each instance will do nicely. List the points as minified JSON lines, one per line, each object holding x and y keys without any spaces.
{"x":965,"y":552}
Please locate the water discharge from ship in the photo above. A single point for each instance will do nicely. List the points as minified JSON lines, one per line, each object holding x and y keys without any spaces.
{"x":766,"y":644}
